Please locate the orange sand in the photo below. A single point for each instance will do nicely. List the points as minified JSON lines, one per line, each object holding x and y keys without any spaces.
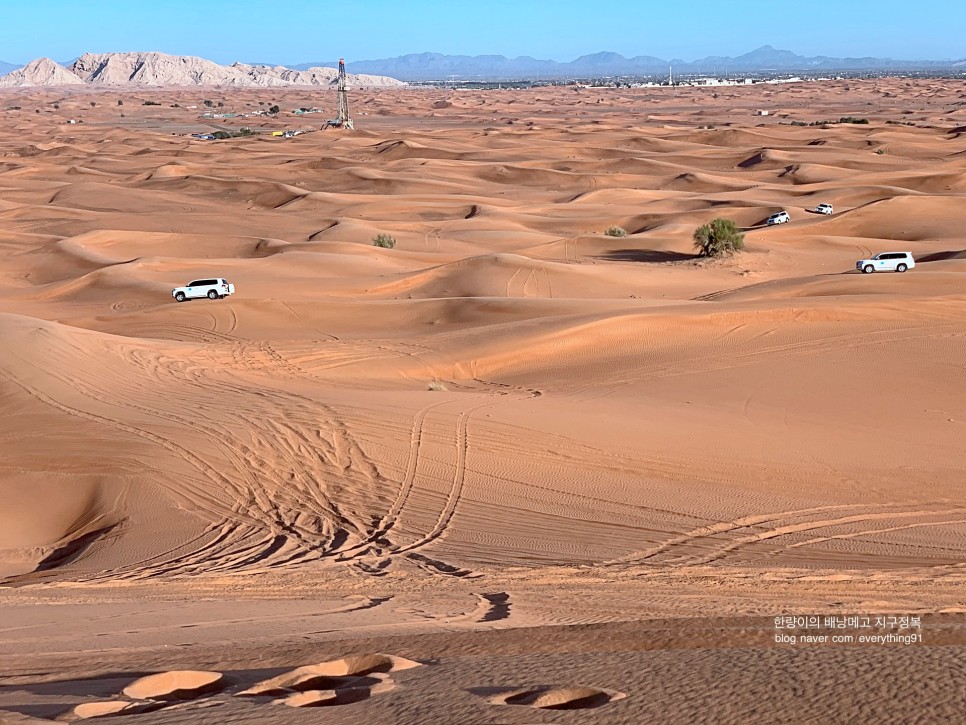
{"x":632,"y":461}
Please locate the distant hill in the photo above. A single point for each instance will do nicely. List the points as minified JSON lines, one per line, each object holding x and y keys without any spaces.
{"x":436,"y":66}
{"x":7,"y":67}
{"x":159,"y":69}
{"x":40,"y":72}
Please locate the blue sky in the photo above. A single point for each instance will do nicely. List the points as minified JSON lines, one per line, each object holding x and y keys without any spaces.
{"x":322,"y":30}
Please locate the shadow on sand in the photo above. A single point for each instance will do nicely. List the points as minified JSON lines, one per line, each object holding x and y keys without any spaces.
{"x":646,"y":255}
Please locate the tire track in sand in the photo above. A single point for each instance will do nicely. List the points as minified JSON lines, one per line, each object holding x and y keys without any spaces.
{"x":389,"y":519}
{"x":452,"y":501}
{"x":724,"y":527}
{"x":745,"y":541}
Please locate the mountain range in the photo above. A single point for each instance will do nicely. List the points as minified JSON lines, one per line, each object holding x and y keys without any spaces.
{"x":156,"y":69}
{"x":435,"y":66}
{"x":159,"y":69}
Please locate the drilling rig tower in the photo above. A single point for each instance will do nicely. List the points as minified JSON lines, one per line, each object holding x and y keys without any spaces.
{"x":343,"y":121}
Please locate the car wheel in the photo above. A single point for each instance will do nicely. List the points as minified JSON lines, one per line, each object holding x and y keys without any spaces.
{"x":212,"y":295}
{"x":180,"y":297}
{"x":901,"y":268}
{"x":868,"y":269}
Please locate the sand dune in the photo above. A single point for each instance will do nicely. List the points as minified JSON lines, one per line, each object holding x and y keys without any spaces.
{"x":556,"y":469}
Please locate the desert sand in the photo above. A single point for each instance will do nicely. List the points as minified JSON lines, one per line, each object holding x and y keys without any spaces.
{"x":512,"y":470}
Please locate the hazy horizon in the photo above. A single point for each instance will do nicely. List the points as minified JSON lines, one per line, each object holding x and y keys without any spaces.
{"x":562,"y":31}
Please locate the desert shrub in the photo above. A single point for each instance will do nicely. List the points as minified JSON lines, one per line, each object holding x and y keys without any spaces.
{"x":208,"y":104}
{"x":243,"y":132}
{"x":880,"y":151}
{"x":151,"y":103}
{"x":120,"y":102}
{"x":844,"y":119}
{"x":615,"y":231}
{"x":221,"y":135}
{"x":383,"y":240}
{"x":436,"y":386}
{"x":93,"y":104}
{"x":718,"y":238}
{"x":274,"y":110}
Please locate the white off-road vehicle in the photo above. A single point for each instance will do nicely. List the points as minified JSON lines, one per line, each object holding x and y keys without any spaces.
{"x":824,"y":209}
{"x":779,"y":218}
{"x":213,"y":289}
{"x":887,"y":262}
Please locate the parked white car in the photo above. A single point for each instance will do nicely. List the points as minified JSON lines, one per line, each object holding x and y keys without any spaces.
{"x":887,"y":262}
{"x":779,"y":218}
{"x":213,"y":289}
{"x":824,"y":209}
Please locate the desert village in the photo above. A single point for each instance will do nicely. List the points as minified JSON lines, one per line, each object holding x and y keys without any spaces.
{"x":465,"y":424}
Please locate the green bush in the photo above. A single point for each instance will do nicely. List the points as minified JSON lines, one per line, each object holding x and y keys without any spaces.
{"x":718,"y":238}
{"x":615,"y":231}
{"x":274,"y":110}
{"x":844,"y":119}
{"x":383,"y":240}
{"x":221,"y":135}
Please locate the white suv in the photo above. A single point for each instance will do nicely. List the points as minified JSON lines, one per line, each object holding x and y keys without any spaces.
{"x":779,"y":218}
{"x":213,"y":289}
{"x":824,"y":209}
{"x":887,"y":262}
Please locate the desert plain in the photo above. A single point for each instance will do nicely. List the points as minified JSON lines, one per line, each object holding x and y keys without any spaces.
{"x":512,"y":470}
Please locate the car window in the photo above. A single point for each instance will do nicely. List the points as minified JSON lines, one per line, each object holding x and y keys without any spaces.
{"x":196,"y":283}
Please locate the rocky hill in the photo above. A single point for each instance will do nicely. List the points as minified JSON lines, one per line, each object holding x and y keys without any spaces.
{"x":40,"y":72}
{"x":159,"y":69}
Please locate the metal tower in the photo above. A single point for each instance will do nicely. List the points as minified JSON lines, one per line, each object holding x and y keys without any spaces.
{"x":344,"y":120}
